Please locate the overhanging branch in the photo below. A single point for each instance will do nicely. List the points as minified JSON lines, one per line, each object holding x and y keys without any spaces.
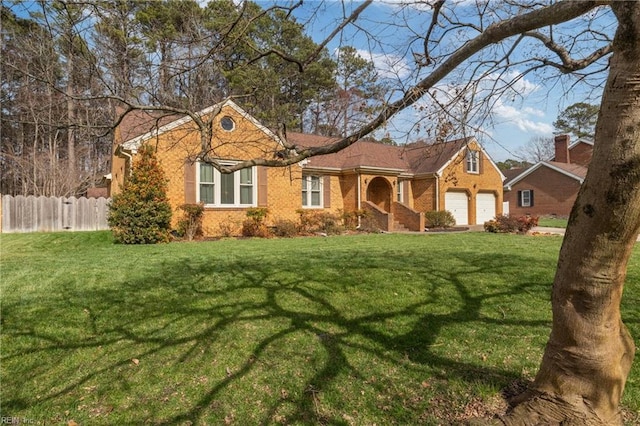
{"x":521,"y":24}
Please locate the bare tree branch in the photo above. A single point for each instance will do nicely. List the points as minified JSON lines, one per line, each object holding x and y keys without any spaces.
{"x":568,"y":64}
{"x":550,"y":15}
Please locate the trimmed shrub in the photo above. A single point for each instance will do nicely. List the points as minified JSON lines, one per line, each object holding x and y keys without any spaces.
{"x":141,"y":213}
{"x":312,"y":221}
{"x":254,"y":225}
{"x":439,"y":219}
{"x":285,"y":228}
{"x":511,"y":224}
{"x":190,"y":225}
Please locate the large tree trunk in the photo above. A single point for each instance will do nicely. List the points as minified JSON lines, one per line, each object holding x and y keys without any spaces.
{"x":590,"y":351}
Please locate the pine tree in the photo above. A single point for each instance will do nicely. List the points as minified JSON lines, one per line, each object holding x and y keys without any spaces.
{"x":141,"y":213}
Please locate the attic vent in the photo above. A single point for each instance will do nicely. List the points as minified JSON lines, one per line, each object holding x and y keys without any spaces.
{"x":227,"y":123}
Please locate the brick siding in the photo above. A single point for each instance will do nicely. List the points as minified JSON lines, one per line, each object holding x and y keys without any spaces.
{"x":554,"y":193}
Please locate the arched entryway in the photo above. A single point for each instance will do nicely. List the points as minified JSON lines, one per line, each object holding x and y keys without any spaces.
{"x":379,"y":192}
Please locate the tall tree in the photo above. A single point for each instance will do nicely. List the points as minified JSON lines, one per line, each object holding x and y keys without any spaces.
{"x":358,"y":94}
{"x":578,"y":119}
{"x":268,"y":58}
{"x":119,"y":47}
{"x":170,"y":29}
{"x":538,"y":148}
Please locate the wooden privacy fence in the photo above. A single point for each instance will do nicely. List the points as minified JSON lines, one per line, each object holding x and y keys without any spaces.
{"x":49,"y":214}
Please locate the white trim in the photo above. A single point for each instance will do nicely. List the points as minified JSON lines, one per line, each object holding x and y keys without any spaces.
{"x":535,"y":167}
{"x":521,"y":200}
{"x":134,"y":143}
{"x":307,"y":178}
{"x":236,"y":187}
{"x":471,"y":159}
{"x":441,"y":170}
{"x":400,"y":190}
{"x":230,"y":120}
{"x":579,"y":141}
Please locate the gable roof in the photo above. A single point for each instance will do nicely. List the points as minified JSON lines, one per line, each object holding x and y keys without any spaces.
{"x":573,"y":145}
{"x":151,"y":125}
{"x":512,"y":173}
{"x":574,"y":171}
{"x":418,"y":158}
{"x":357,"y":155}
{"x":579,"y":141}
{"x":434,"y":158}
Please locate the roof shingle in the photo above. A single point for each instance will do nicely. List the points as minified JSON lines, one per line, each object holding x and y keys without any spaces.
{"x":418,"y":158}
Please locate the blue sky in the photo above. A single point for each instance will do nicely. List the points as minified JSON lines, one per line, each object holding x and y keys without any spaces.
{"x":382,"y":36}
{"x":388,"y":34}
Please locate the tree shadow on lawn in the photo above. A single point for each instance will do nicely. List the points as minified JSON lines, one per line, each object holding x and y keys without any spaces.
{"x":237,"y":314}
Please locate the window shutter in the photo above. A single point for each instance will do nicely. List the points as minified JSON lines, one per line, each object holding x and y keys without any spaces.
{"x":519,"y":198}
{"x":531,"y":197}
{"x":190,"y":182}
{"x":326,"y":185}
{"x":262,"y":186}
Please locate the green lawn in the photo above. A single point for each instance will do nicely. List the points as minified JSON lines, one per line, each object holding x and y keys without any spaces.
{"x":362,"y":330}
{"x":553,"y":222}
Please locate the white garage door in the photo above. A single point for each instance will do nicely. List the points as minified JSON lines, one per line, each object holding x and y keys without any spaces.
{"x":458,"y":205}
{"x":485,"y":208}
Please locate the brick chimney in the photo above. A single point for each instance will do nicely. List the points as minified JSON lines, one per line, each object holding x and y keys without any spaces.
{"x":562,"y":149}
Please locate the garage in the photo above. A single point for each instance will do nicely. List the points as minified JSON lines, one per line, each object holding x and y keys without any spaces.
{"x":485,"y":208}
{"x":458,"y":204}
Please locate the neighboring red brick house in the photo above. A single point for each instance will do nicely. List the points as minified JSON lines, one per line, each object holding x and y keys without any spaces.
{"x":549,"y":188}
{"x":397,"y":184}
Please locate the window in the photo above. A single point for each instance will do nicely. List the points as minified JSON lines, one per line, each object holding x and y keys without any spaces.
{"x":311,"y":191}
{"x":207,"y":185}
{"x":226,"y":189}
{"x":473,"y":161}
{"x":227,"y":123}
{"x":399,"y":191}
{"x":525,"y":198}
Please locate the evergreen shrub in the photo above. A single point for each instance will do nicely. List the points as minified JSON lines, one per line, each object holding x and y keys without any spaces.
{"x":141,"y":213}
{"x":190,"y":226}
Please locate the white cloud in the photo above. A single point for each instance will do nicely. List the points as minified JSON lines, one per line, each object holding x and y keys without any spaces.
{"x":387,"y":65}
{"x":521,"y":118}
{"x":512,"y":79}
{"x":427,"y":5}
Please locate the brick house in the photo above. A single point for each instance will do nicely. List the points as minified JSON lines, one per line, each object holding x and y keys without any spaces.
{"x":549,"y":188}
{"x":396,"y":184}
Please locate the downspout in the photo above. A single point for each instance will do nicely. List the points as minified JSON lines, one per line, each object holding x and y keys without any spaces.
{"x":437,"y":192}
{"x":359,"y":200}
{"x":128,"y":160}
